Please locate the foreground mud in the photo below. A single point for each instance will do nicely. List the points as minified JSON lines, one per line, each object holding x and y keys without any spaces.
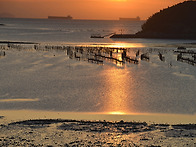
{"x":57,"y":132}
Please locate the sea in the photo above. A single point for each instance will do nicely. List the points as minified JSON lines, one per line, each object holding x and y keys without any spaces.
{"x":75,"y":31}
{"x":158,"y":84}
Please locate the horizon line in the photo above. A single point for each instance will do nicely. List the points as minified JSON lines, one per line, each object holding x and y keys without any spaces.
{"x":65,"y":19}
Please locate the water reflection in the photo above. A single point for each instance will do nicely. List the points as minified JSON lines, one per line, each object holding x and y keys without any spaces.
{"x":2,"y":54}
{"x":117,"y":98}
{"x":161,"y":85}
{"x":125,"y":45}
{"x":101,"y":55}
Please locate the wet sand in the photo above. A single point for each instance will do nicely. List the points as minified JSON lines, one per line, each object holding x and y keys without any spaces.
{"x":61,"y":132}
{"x":44,"y":128}
{"x":24,"y":127}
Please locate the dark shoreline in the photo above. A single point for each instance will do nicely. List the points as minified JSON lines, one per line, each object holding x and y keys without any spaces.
{"x":134,"y":126}
{"x":150,"y":36}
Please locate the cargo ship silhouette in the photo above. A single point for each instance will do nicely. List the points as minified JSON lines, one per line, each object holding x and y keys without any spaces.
{"x":61,"y":17}
{"x":130,"y":19}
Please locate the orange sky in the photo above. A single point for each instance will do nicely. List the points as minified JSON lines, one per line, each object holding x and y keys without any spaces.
{"x":84,"y":9}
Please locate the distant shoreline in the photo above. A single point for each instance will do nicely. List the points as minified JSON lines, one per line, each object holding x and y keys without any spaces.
{"x":71,"y":19}
{"x":153,"y":36}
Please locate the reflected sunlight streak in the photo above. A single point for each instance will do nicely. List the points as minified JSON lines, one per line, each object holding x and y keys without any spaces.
{"x":125,"y":45}
{"x":117,"y":98}
{"x":117,"y":113}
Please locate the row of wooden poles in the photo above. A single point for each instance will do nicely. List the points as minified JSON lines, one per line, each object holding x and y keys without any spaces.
{"x":2,"y":53}
{"x":99,"y":54}
{"x":181,"y":56}
{"x":94,"y":54}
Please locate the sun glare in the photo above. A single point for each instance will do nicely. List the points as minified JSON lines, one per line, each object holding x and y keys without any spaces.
{"x":117,"y":113}
{"x":125,"y":45}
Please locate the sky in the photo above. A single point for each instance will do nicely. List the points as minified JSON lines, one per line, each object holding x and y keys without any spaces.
{"x":84,"y":9}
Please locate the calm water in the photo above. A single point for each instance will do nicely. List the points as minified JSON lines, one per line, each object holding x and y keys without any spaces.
{"x":75,"y":32}
{"x":53,"y":81}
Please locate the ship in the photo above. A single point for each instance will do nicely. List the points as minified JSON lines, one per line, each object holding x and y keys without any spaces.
{"x":130,"y":19}
{"x":61,"y":17}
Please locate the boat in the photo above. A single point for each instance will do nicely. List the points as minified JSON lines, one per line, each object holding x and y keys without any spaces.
{"x":99,"y":35}
{"x":130,"y":19}
{"x":61,"y":17}
{"x":96,"y":36}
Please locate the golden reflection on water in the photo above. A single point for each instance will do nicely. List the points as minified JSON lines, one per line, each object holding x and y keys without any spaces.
{"x":117,"y":113}
{"x":115,"y":45}
{"x":117,"y":97}
{"x":125,"y":45}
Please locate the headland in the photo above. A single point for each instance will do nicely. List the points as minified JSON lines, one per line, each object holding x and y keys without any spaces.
{"x":175,"y":22}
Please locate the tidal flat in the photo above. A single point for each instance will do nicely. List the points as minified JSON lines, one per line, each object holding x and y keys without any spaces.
{"x":59,"y":132}
{"x":111,"y":96}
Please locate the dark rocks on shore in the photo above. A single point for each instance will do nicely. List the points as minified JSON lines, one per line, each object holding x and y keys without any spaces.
{"x":185,"y":126}
{"x":100,"y":126}
{"x":63,"y":132}
{"x":176,"y":22}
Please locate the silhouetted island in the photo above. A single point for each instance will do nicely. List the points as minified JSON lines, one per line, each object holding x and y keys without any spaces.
{"x":175,"y":22}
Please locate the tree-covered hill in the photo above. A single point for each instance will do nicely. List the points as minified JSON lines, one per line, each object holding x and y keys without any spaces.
{"x":178,"y":21}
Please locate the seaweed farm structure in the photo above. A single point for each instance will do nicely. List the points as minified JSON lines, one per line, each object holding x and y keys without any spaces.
{"x":61,"y":17}
{"x":187,"y":56}
{"x":101,"y":55}
{"x":92,"y":54}
{"x":105,"y":55}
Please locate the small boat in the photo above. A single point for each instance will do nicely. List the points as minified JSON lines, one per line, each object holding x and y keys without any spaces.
{"x":99,"y":36}
{"x":96,"y":36}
